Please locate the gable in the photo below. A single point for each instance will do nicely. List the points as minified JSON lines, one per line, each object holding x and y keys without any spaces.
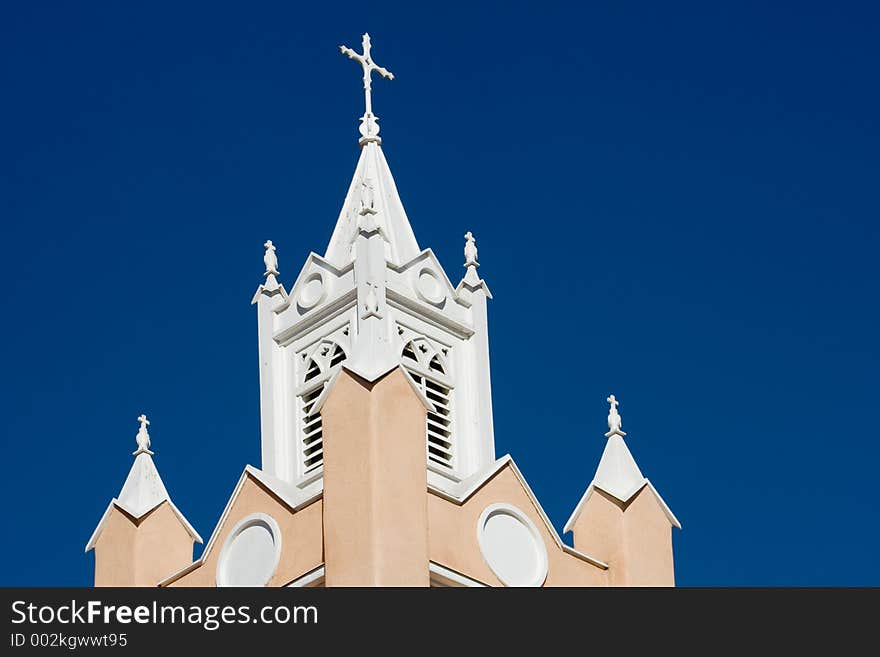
{"x":454,"y":530}
{"x":299,"y":531}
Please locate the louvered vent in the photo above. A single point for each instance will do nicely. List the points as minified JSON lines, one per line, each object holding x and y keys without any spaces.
{"x":317,"y":374}
{"x":431,"y":380}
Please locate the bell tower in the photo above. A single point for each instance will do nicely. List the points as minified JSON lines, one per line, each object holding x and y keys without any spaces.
{"x":373,"y":301}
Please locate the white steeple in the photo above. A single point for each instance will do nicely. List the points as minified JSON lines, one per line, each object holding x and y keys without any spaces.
{"x":374,"y":301}
{"x":143,"y":489}
{"x":618,"y":474}
{"x":372,"y":202}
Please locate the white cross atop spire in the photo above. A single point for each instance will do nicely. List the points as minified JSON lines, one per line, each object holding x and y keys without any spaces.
{"x":369,"y":121}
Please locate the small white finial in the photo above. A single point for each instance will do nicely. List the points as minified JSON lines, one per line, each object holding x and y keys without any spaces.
{"x":470,"y":251}
{"x":614,"y":420}
{"x":270,"y":259}
{"x":369,"y":122}
{"x":143,"y":436}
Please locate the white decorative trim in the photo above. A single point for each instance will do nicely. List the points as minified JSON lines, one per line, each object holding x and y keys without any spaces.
{"x":115,"y":503}
{"x":240,"y":526}
{"x":337,"y":272}
{"x":569,"y":525}
{"x":449,"y":577}
{"x":308,"y":304}
{"x":338,"y":305}
{"x":311,"y":578}
{"x":435,"y":296}
{"x":439,"y":574}
{"x":427,"y":313}
{"x":537,"y":542}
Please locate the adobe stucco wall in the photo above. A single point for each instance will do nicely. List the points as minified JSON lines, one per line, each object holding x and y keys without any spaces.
{"x":635,"y":538}
{"x":375,"y":508}
{"x":141,"y":552}
{"x":301,"y":537}
{"x":452,"y":532}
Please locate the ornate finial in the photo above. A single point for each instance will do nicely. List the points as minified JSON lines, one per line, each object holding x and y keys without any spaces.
{"x":143,"y":436}
{"x":270,"y":259}
{"x":614,"y":421}
{"x":470,"y":251}
{"x":369,"y":122}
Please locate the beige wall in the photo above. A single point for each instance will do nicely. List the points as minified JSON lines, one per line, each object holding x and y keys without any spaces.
{"x":635,"y":538}
{"x":141,"y":552}
{"x":375,"y":482}
{"x":452,"y":530}
{"x":301,"y":537}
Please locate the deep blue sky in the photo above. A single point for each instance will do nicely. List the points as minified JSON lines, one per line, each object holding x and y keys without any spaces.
{"x":674,"y":202}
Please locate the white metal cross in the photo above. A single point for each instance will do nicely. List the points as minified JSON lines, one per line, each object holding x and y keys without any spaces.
{"x":369,"y":66}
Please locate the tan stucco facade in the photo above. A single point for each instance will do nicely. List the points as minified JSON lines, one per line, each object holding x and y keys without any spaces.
{"x":634,"y":538}
{"x":301,"y":537}
{"x":378,"y":523}
{"x":375,"y":482}
{"x":454,"y":544}
{"x":141,"y":552}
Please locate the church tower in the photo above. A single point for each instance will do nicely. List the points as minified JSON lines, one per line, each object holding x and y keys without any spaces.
{"x":142,"y":536}
{"x":378,"y":448}
{"x":373,"y":301}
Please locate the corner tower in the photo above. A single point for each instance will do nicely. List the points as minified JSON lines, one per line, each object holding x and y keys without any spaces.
{"x":142,"y":535}
{"x":373,"y":301}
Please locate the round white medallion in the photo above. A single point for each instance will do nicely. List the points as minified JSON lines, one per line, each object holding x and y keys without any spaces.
{"x":311,"y":292}
{"x":512,"y":546}
{"x":250,"y":553}
{"x":430,"y":288}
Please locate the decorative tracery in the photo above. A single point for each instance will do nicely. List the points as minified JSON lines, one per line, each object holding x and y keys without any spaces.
{"x":428,"y":368}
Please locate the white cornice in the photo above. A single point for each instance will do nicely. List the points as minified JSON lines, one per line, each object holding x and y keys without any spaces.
{"x":569,"y":525}
{"x":339,"y":304}
{"x":401,"y":301}
{"x":115,"y":503}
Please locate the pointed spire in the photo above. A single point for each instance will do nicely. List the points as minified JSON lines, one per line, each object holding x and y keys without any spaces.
{"x":618,"y":473}
{"x":143,"y":489}
{"x":372,"y":204}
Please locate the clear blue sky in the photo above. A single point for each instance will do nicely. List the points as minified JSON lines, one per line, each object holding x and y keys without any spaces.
{"x":673,"y":202}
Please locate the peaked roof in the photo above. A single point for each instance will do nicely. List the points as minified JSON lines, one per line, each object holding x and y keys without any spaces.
{"x":143,"y":489}
{"x":619,"y":476}
{"x":372,"y":189}
{"x":142,"y":492}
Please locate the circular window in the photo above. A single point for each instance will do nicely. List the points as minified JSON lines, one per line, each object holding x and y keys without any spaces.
{"x":251,"y":552}
{"x":512,"y":546}
{"x":430,"y":288}
{"x":311,"y":292}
